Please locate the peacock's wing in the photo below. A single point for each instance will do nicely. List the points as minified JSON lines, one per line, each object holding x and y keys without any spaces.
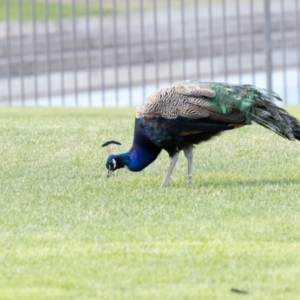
{"x":190,"y":101}
{"x":183,"y":110}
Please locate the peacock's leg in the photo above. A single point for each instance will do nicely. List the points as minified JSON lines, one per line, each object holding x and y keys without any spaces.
{"x":170,"y":170}
{"x":188,"y":152}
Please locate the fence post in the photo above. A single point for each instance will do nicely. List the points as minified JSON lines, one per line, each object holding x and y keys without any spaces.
{"x":268,"y":45}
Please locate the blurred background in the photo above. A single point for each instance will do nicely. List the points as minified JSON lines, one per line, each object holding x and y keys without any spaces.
{"x":114,"y":53}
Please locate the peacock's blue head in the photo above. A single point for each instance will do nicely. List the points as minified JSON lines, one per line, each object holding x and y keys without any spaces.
{"x":115,"y":162}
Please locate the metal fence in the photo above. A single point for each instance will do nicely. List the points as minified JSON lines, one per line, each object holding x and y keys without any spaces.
{"x":115,"y":53}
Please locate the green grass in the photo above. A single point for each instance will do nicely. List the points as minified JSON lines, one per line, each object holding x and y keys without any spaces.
{"x":26,"y":9}
{"x":40,"y":9}
{"x":68,"y":232}
{"x":107,"y":7}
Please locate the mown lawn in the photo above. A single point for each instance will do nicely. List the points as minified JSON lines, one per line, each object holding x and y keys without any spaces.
{"x":68,"y":232}
{"x":54,"y":9}
{"x":41,"y":9}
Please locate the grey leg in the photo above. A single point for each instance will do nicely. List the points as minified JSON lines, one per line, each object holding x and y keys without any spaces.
{"x":170,"y":170}
{"x":188,"y":152}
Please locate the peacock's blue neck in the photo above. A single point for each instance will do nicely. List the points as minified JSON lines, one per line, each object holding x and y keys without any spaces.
{"x":140,"y":158}
{"x":143,"y":151}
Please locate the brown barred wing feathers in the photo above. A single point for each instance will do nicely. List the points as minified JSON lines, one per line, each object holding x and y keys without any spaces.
{"x":190,"y":101}
{"x":187,"y":101}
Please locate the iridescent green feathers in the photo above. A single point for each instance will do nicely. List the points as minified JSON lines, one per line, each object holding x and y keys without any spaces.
{"x":238,"y":104}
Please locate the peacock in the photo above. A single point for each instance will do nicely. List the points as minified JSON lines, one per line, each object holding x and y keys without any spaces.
{"x":182,"y":115}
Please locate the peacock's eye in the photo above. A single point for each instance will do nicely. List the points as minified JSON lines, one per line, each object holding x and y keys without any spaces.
{"x":111,"y":165}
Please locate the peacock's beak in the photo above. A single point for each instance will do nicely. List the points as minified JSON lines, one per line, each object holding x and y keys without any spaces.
{"x":108,"y":173}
